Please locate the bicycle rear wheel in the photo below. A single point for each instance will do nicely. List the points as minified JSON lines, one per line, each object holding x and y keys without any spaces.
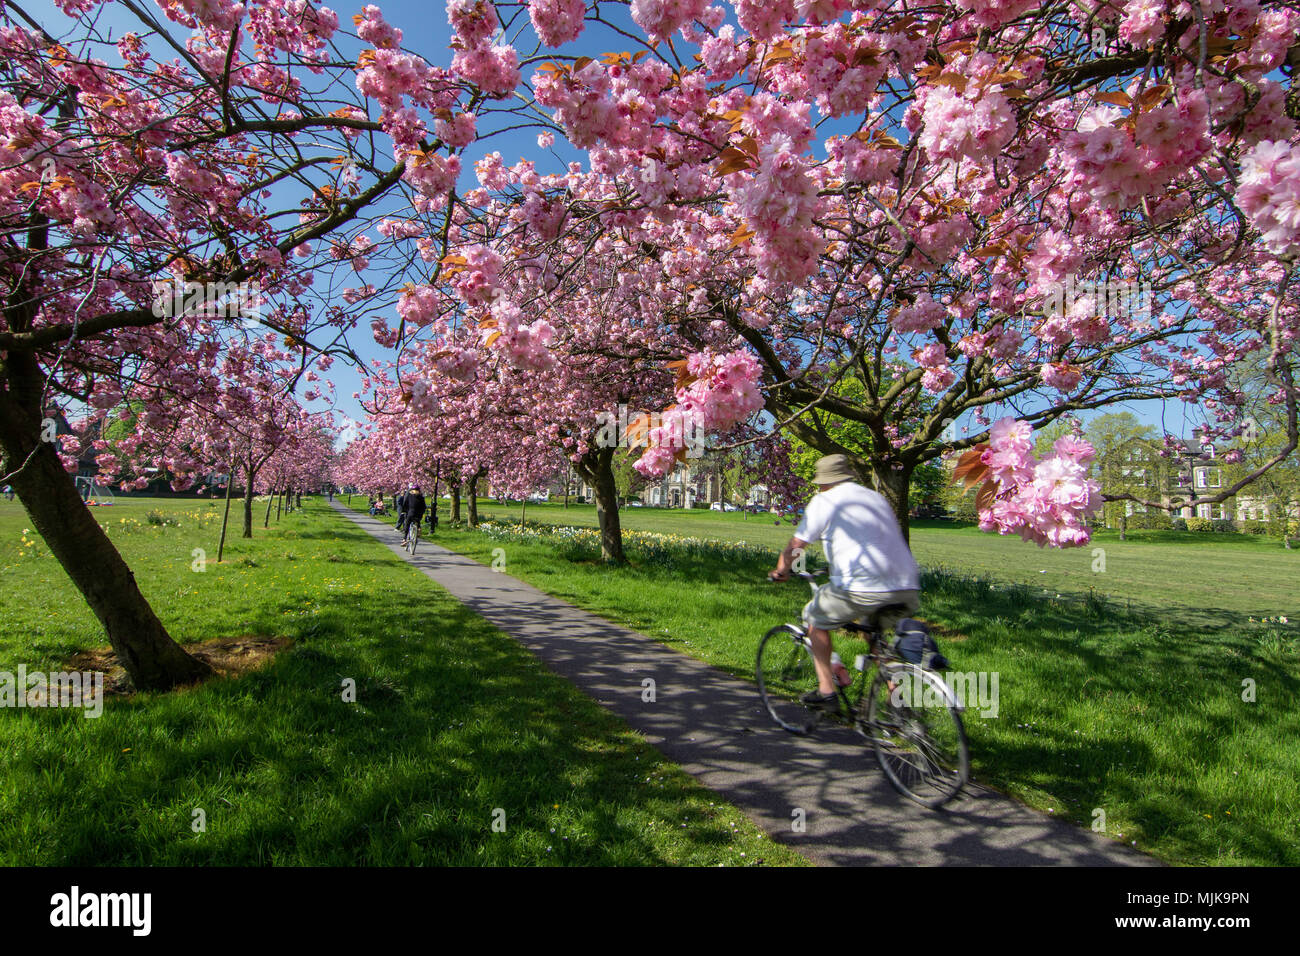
{"x":916,"y":731}
{"x":785,"y":671}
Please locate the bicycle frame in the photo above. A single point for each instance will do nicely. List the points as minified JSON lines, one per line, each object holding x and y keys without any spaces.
{"x":871,"y":663}
{"x":928,"y":769}
{"x":849,"y":713}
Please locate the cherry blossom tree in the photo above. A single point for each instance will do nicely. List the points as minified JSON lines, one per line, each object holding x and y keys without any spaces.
{"x":215,"y":151}
{"x":1032,"y":210}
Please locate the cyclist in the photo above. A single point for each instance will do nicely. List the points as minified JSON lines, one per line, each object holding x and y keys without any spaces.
{"x":413,"y":508}
{"x":870,"y":563}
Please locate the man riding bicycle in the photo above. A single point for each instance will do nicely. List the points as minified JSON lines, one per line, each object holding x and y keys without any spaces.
{"x":870,"y":563}
{"x":413,"y":508}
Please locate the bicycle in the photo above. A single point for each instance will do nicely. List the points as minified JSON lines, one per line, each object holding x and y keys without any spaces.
{"x":412,"y":537}
{"x":909,"y":715}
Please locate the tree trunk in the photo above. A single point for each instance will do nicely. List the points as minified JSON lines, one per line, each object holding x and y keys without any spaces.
{"x":279,"y":501}
{"x":248,"y":505}
{"x":597,"y":470}
{"x":894,"y":483}
{"x":473,"y":497}
{"x":297,"y":500}
{"x":1123,"y":525}
{"x":455,"y":502}
{"x":152,"y":659}
{"x":266,"y":522}
{"x":433,"y":503}
{"x":225,"y":516}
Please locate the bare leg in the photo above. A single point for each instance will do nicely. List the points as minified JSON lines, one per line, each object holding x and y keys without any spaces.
{"x":821,"y":650}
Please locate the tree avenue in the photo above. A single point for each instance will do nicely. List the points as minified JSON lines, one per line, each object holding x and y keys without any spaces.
{"x":848,"y":221}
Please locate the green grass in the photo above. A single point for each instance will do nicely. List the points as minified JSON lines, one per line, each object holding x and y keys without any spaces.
{"x":1131,"y":706}
{"x":453,"y":721}
{"x":1215,"y":579}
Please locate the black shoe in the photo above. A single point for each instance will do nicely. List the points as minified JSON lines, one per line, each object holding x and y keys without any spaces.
{"x":814,"y":700}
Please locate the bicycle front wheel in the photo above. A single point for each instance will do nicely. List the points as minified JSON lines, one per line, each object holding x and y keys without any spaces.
{"x":914,"y":722}
{"x":785,"y":671}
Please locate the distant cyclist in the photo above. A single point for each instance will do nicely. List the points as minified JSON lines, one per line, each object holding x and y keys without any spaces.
{"x":413,"y":508}
{"x":871,"y":565}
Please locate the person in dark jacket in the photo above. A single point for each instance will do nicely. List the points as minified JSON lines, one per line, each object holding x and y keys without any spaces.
{"x":414,"y":508}
{"x":400,"y":503}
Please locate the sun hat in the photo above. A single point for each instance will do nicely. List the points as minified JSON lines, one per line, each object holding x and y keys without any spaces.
{"x":832,"y":469}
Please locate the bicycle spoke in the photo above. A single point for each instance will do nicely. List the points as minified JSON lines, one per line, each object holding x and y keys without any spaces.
{"x":785,"y":671}
{"x":922,"y":749}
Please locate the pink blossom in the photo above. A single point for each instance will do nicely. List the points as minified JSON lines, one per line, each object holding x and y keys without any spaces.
{"x":923,"y":315}
{"x":1061,"y":375}
{"x":1269,"y":194}
{"x":557,"y":21}
{"x":418,"y":305}
{"x":960,"y":127}
{"x":763,"y":18}
{"x":1047,"y":502}
{"x":457,"y":132}
{"x":475,"y":21}
{"x":494,"y":70}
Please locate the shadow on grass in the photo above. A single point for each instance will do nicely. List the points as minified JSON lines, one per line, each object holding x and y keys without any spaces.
{"x":453,"y":727}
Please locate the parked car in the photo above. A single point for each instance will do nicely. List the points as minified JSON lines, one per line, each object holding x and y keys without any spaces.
{"x":929,"y":511}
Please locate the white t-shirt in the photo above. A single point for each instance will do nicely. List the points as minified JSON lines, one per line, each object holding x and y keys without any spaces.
{"x":860,"y":535}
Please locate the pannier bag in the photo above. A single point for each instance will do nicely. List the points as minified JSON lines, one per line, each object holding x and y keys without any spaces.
{"x":914,"y":644}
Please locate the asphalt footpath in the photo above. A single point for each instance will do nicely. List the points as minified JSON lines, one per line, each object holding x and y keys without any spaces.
{"x":824,"y":796}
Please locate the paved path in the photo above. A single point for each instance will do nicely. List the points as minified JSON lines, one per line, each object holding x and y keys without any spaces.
{"x":714,"y":726}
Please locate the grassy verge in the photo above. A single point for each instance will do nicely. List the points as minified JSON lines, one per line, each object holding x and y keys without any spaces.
{"x":1184,"y":736}
{"x":455,"y":727}
{"x":1215,"y":579}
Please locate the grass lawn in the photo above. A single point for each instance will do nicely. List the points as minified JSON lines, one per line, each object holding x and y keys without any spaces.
{"x":1213,"y":578}
{"x":1128,"y":700}
{"x":455,"y":726}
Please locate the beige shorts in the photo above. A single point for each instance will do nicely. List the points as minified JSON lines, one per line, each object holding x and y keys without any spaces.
{"x":834,"y":607}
